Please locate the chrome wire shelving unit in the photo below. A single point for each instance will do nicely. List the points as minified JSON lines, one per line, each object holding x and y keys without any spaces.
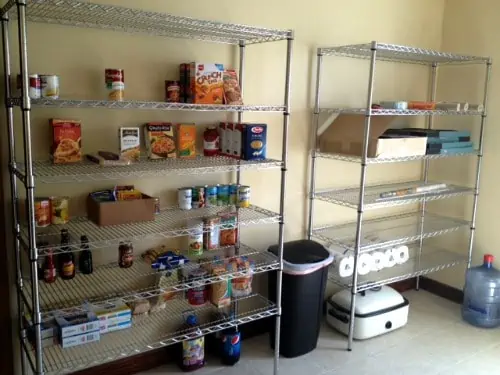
{"x":411,"y":229}
{"x":38,"y":301}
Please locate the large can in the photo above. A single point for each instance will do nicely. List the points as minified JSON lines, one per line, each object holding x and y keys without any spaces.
{"x":172,"y":91}
{"x":195,"y":238}
{"x":244,"y":196}
{"x":185,"y":196}
{"x":233,"y":194}
{"x":115,"y":84}
{"x":42,"y":212}
{"x":199,"y":197}
{"x":211,"y":196}
{"x":222,"y":195}
{"x":35,"y":86}
{"x":59,"y":210}
{"x":50,"y":86}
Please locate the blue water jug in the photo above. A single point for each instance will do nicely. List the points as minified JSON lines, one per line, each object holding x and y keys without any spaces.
{"x":481,"y":306}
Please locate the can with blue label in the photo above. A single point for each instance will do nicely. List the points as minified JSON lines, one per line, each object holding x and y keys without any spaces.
{"x":231,"y":346}
{"x":222,"y":195}
{"x":211,"y":196}
{"x":233,"y":193}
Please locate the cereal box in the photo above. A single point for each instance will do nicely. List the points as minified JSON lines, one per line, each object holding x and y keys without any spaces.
{"x":186,"y":140}
{"x":160,"y":140}
{"x":130,"y":143}
{"x":236,"y":141}
{"x":207,"y":86}
{"x":254,"y":141}
{"x":66,"y":141}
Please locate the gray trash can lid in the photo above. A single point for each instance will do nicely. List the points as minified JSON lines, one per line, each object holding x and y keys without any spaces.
{"x":303,"y":256}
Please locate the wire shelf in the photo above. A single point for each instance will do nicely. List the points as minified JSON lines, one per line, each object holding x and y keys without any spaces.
{"x":432,"y":260}
{"x":389,"y":231}
{"x":350,"y":197}
{"x":405,"y":54}
{"x":134,"y":104}
{"x":152,"y":331}
{"x":110,"y":282}
{"x":90,"y":15}
{"x":48,"y":173}
{"x":171,"y":222}
{"x":383,"y":160}
{"x":400,"y":112}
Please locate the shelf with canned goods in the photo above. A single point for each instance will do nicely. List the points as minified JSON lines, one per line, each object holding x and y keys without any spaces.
{"x":152,"y":331}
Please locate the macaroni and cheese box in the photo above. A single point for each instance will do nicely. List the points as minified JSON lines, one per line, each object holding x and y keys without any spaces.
{"x":160,"y":140}
{"x":66,"y":141}
{"x":206,"y":83}
{"x":254,"y":142}
{"x":130,"y":143}
{"x":186,"y":140}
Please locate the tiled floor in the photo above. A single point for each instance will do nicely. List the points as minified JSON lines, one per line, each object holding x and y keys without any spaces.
{"x":435,"y":342}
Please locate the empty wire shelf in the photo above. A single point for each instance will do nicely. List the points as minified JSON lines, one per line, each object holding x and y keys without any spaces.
{"x":401,"y":112}
{"x":389,"y":231}
{"x":171,"y":222}
{"x":46,"y":172}
{"x":384,"y":160}
{"x":110,"y":282}
{"x":405,"y":54}
{"x":152,"y":331}
{"x":350,"y":197}
{"x":90,"y":15}
{"x":432,"y":260}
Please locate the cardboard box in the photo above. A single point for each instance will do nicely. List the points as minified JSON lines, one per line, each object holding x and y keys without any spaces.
{"x":48,"y":332}
{"x":77,"y":324}
{"x":254,"y":142}
{"x":121,"y":212}
{"x":345,"y":136}
{"x":86,"y":338}
{"x":206,"y":83}
{"x":112,"y":317}
{"x":66,"y":141}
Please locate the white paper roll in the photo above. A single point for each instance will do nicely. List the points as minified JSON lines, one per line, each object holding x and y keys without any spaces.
{"x":402,"y":254}
{"x":345,"y":267}
{"x":378,"y":260}
{"x":465,"y":106}
{"x":476,"y":107}
{"x":390,"y":260}
{"x":448,"y":106}
{"x":365,"y":264}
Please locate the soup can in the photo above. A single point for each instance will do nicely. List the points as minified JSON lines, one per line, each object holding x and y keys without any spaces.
{"x":195,"y":238}
{"x":199,"y":197}
{"x":115,"y":84}
{"x":233,"y":193}
{"x":172,"y":91}
{"x":222,"y":195}
{"x":184,"y":196}
{"x":244,"y":196}
{"x":35,"y":86}
{"x":59,"y":210}
{"x":49,"y":86}
{"x":42,"y":212}
{"x":211,"y":196}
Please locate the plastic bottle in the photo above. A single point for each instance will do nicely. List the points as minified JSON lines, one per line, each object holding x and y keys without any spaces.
{"x":481,"y":306}
{"x":49,"y":268}
{"x":85,"y":261}
{"x":193,"y":351}
{"x":231,"y":346}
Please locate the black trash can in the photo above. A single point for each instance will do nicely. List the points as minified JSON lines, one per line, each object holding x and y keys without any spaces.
{"x":305,"y":271}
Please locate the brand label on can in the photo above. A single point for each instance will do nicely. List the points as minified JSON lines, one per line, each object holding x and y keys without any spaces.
{"x":244,"y":196}
{"x":211,"y":196}
{"x":185,"y":198}
{"x":50,"y":86}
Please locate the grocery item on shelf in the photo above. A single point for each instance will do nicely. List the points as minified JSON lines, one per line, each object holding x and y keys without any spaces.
{"x":233,"y":194}
{"x":195,"y":238}
{"x":130,"y":143}
{"x":114,"y":316}
{"x":172,"y":91}
{"x":150,"y":255}
{"x":157,"y":304}
{"x":254,"y":141}
{"x":67,"y":269}
{"x":223,"y":138}
{"x":165,"y":280}
{"x":127,"y":193}
{"x":77,"y":329}
{"x":211,"y":233}
{"x":211,"y":195}
{"x":232,"y":90}
{"x":125,"y":254}
{"x":160,"y":140}
{"x":206,"y":83}
{"x":244,"y":196}
{"x":193,"y":350}
{"x":229,"y":139}
{"x":426,"y":188}
{"x":237,"y":141}
{"x":211,"y":141}
{"x":452,"y":106}
{"x":186,"y":140}
{"x":184,"y":83}
{"x":421,"y":105}
{"x":43,"y":212}
{"x":229,"y":230}
{"x":49,"y":86}
{"x":198,"y":197}
{"x":108,"y":159}
{"x":35,"y":86}
{"x":140,"y":306}
{"x":49,"y":268}
{"x":223,"y":195}
{"x":59,"y":207}
{"x":476,"y":107}
{"x":166,"y":260}
{"x":392,"y":105}
{"x":231,"y":346}
{"x":185,"y":198}
{"x":85,"y":262}
{"x":198,"y":295}
{"x":241,"y":286}
{"x":115,"y":84}
{"x":220,"y":292}
{"x":214,"y":195}
{"x":48,"y":331}
{"x":66,"y":141}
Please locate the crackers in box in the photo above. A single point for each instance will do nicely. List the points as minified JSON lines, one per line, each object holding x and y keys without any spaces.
{"x":207,"y":85}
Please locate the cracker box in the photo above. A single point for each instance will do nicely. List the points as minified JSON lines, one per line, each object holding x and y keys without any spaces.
{"x":207,"y":84}
{"x":186,"y":140}
{"x":160,"y":140}
{"x":237,"y":141}
{"x":66,"y":141}
{"x":254,"y":141}
{"x":130,"y":143}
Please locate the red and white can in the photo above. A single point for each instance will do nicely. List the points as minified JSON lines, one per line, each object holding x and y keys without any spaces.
{"x":115,"y":84}
{"x":35,"y":86}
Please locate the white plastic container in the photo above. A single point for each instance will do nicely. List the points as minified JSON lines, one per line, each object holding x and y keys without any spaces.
{"x":378,"y":311}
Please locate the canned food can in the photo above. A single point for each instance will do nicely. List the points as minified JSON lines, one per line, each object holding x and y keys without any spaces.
{"x":211,"y":196}
{"x":35,"y":86}
{"x":195,"y":238}
{"x":49,"y":86}
{"x":125,"y":254}
{"x":233,"y":193}
{"x":172,"y":91}
{"x":244,"y":196}
{"x":42,"y":212}
{"x":222,"y":195}
{"x":185,"y":196}
{"x":211,"y":233}
{"x":199,"y":197}
{"x":115,"y":84}
{"x":157,"y":205}
{"x":59,"y":210}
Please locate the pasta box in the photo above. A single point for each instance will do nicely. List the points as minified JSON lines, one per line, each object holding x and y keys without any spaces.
{"x":254,"y":141}
{"x":160,"y":140}
{"x":207,"y":85}
{"x":66,"y":141}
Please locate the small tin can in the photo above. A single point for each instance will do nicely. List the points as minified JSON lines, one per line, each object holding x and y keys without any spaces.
{"x":59,"y":210}
{"x":233,"y":193}
{"x":244,"y":196}
{"x":198,"y":296}
{"x":172,"y":91}
{"x":199,"y":197}
{"x":157,"y":205}
{"x":211,"y":233}
{"x":195,"y":238}
{"x":222,"y":195}
{"x":35,"y":86}
{"x":125,"y":254}
{"x":211,"y":196}
{"x":49,"y":86}
{"x":42,"y":212}
{"x":185,"y":197}
{"x":115,"y":84}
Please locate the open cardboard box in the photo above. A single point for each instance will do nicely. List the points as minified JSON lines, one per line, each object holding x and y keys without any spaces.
{"x":121,"y":212}
{"x":343,"y":134}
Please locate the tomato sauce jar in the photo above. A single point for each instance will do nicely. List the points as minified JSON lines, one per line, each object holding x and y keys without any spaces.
{"x":211,"y":141}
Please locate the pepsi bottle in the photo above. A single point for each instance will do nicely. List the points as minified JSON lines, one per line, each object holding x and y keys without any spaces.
{"x":231,"y":346}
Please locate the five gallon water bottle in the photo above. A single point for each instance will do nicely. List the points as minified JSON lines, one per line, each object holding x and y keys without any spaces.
{"x":481,"y":306}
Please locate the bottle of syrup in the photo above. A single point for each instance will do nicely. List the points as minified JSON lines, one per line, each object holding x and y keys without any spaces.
{"x":85,"y":261}
{"x":49,"y":268}
{"x":67,"y":259}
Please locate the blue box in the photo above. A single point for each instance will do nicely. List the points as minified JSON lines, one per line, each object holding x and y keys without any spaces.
{"x":254,"y":142}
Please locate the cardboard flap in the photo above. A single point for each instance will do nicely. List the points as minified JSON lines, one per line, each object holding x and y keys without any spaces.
{"x":351,"y":127}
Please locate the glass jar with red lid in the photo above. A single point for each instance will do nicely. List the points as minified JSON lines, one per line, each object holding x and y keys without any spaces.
{"x":211,"y":141}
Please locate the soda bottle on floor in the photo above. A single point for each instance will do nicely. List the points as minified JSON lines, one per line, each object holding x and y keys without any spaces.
{"x":231,"y":346}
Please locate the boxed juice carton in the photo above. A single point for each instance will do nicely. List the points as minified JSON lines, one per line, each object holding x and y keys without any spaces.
{"x":206,"y":83}
{"x":186,"y":140}
{"x":66,"y":141}
{"x":254,"y":142}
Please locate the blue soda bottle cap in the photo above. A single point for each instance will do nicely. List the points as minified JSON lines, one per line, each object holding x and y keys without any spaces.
{"x":192,"y":320}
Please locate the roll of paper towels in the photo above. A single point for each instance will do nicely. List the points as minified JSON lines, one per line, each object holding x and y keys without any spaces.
{"x":345,"y":266}
{"x":401,"y":254}
{"x":378,"y":260}
{"x":390,"y":259}
{"x":365,"y":264}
